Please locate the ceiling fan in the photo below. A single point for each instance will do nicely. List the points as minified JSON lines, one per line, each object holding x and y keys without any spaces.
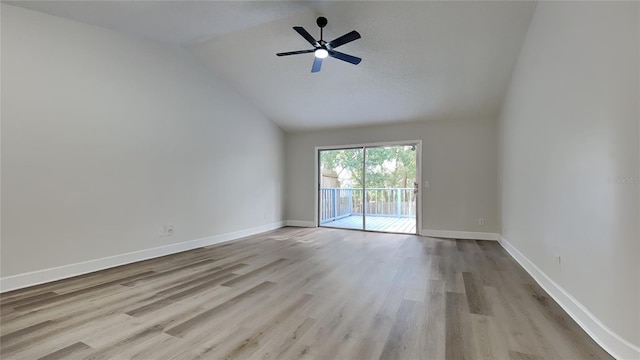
{"x":322,"y":49}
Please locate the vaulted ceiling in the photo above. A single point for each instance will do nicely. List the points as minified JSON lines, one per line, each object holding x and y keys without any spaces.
{"x":422,"y":60}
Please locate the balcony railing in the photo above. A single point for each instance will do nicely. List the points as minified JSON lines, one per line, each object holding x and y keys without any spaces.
{"x":337,"y":203}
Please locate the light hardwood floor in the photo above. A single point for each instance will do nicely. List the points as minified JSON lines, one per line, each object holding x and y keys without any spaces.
{"x":299,"y":293}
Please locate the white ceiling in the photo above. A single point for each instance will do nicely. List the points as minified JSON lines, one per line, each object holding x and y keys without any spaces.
{"x":422,"y":60}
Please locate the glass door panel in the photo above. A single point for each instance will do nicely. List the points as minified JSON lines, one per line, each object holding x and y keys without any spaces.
{"x":341,"y":193}
{"x":390,"y":189}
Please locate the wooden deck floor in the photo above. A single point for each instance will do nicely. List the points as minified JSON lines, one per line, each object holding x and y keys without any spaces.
{"x":299,"y":293}
{"x":376,"y":223}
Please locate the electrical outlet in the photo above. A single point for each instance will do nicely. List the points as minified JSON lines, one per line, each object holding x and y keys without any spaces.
{"x":161,"y":231}
{"x":426,"y":184}
{"x":168,"y":230}
{"x":481,"y":221}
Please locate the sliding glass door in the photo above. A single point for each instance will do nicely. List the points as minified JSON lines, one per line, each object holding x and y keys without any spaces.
{"x":370,"y":188}
{"x":391,"y":187}
{"x":341,"y":192}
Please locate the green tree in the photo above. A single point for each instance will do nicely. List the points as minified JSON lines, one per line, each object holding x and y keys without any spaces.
{"x":386,"y":167}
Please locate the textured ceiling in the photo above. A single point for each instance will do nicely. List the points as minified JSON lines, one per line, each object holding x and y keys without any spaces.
{"x":421,"y":60}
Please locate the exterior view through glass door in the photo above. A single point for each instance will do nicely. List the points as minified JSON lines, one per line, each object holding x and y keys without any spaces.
{"x":341,"y":192}
{"x":369,"y":188}
{"x":390,"y":183}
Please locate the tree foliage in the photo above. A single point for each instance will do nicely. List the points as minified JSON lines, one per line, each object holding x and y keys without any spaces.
{"x":386,"y":167}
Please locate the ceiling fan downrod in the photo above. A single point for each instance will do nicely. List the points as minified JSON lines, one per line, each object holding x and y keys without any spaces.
{"x":321,"y":22}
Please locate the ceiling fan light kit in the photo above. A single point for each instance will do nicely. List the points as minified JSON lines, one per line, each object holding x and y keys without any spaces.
{"x":321,"y":53}
{"x":322,"y":49}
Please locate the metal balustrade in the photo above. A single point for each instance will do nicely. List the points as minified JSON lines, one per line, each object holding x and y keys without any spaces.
{"x":337,"y":203}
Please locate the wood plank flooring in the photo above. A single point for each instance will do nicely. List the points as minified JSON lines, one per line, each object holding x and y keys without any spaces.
{"x":299,"y":294}
{"x":376,"y":223}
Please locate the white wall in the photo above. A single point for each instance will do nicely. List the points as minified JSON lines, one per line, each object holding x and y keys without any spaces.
{"x":459,"y":160}
{"x":570,"y":160}
{"x":106,"y":138}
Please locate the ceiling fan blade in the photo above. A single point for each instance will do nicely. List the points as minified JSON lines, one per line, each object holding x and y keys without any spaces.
{"x":317,"y":63}
{"x":346,"y":38}
{"x":306,"y":35}
{"x":344,"y":57}
{"x":295,"y":52}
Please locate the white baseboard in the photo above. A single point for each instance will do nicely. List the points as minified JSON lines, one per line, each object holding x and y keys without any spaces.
{"x":601,"y":334}
{"x":300,"y":223}
{"x":66,"y":271}
{"x":466,"y":235}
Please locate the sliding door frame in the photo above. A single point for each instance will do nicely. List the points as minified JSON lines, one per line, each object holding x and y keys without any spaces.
{"x":316,"y":185}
